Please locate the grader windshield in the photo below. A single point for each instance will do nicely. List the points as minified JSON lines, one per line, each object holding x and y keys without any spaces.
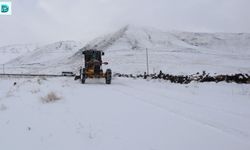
{"x":92,"y":55}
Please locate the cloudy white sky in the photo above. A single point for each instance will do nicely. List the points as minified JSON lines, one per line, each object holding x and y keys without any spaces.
{"x":46,"y":21}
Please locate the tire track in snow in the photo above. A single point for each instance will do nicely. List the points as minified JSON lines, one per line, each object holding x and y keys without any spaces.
{"x":192,"y":103}
{"x":208,"y":122}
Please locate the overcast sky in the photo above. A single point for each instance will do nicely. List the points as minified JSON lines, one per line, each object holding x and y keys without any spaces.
{"x":47,"y":21}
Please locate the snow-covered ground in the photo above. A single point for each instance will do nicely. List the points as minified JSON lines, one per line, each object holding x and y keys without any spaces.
{"x":128,"y":114}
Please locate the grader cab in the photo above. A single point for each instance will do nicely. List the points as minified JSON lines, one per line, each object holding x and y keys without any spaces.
{"x":93,"y":66}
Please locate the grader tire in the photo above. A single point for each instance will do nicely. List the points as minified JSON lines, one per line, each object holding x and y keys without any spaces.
{"x":108,"y":76}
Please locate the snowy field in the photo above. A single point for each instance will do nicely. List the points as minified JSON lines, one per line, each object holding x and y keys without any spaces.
{"x":129,"y":114}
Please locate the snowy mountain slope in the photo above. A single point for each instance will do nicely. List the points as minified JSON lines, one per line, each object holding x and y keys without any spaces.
{"x":48,"y":56}
{"x":218,"y":43}
{"x":49,"y":53}
{"x":128,"y":114}
{"x":131,"y":37}
{"x":173,"y":52}
{"x":10,"y":52}
{"x":178,"y":52}
{"x":136,"y":38}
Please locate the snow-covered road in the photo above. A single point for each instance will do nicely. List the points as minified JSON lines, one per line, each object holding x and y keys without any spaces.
{"x":129,"y":114}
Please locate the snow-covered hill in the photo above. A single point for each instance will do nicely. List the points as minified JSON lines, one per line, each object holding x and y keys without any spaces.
{"x":13,"y":51}
{"x":45,"y":57}
{"x":48,"y":53}
{"x":173,"y":52}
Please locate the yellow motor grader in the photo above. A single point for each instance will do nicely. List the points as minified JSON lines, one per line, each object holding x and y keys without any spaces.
{"x":93,"y":66}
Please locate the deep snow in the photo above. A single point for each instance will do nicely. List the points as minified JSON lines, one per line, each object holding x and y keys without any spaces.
{"x":129,"y":114}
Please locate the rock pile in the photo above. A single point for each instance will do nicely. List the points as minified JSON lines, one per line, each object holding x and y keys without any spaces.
{"x":198,"y":77}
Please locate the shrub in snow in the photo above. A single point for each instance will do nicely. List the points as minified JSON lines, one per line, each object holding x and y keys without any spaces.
{"x":50,"y":97}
